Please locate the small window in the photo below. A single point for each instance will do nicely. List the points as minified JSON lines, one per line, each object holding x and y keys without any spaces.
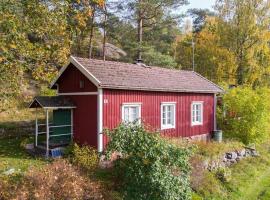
{"x":81,"y":84}
{"x":131,"y":113}
{"x":167,"y":115}
{"x":196,"y":113}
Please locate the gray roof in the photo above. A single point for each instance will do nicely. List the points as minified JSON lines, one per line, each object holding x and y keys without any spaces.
{"x":118,"y":75}
{"x":52,"y":102}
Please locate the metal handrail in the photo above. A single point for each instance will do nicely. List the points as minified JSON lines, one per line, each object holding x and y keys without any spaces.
{"x":60,"y":135}
{"x":59,"y":126}
{"x":44,"y":124}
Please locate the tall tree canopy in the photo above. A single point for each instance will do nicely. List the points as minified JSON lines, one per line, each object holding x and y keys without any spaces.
{"x":153,"y":24}
{"x":244,"y":28}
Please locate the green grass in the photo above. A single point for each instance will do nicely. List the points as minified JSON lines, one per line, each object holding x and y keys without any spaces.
{"x":13,"y":156}
{"x":250,"y":180}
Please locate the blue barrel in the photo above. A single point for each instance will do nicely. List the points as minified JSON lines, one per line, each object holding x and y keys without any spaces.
{"x":218,"y":135}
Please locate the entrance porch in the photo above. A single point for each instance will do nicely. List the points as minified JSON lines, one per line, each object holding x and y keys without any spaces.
{"x":57,"y":130}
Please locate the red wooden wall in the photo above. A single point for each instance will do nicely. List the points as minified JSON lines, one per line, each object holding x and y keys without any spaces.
{"x":70,"y":81}
{"x":151,"y":108}
{"x":85,"y":115}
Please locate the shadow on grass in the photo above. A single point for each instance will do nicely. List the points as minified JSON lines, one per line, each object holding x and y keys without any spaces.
{"x":11,"y":147}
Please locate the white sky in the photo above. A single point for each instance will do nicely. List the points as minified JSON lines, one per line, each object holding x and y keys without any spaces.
{"x":199,"y":4}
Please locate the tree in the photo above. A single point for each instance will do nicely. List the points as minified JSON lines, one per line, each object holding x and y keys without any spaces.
{"x":246,"y":114}
{"x":146,"y":15}
{"x":211,"y":59}
{"x":199,"y":17}
{"x":244,"y":29}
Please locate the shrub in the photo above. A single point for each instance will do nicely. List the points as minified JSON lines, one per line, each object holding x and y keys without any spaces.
{"x":246,"y":114}
{"x":150,"y":167}
{"x":223,"y":174}
{"x":210,"y":187}
{"x":59,"y":180}
{"x":84,"y":156}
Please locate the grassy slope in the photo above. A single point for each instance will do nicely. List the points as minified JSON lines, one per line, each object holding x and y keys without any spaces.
{"x":12,"y":155}
{"x":250,"y":179}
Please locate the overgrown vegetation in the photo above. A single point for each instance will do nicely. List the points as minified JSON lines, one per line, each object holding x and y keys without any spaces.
{"x":149,"y":167}
{"x":84,"y":156}
{"x":248,"y":179}
{"x":245,"y":114}
{"x":59,"y":180}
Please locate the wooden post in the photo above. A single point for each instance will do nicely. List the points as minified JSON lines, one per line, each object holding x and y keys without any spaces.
{"x":36,"y":131}
{"x":47,"y":133}
{"x":71,"y":125}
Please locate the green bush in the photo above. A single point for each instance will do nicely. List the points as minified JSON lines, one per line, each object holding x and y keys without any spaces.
{"x":245,"y":114}
{"x":84,"y":156}
{"x":150,"y":168}
{"x":223,"y":174}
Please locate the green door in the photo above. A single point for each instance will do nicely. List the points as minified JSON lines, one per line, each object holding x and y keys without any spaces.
{"x":61,"y":117}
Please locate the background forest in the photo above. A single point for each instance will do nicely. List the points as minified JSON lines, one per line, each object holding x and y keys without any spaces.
{"x":38,"y":36}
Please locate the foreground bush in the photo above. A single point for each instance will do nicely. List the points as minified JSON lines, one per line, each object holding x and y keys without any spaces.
{"x":150,"y":167}
{"x":246,"y":114}
{"x":59,"y":180}
{"x":84,"y":156}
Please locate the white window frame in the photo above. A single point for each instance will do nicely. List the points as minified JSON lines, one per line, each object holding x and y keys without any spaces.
{"x":168,"y":126}
{"x":196,"y":123}
{"x":124,"y":105}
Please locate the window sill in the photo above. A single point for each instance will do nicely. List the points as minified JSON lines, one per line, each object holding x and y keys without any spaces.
{"x":167,"y":127}
{"x":196,"y":124}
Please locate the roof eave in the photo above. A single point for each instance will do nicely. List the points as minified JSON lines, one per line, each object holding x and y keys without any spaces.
{"x":163,"y":90}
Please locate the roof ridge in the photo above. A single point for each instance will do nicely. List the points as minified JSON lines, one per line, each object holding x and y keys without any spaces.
{"x":125,"y":63}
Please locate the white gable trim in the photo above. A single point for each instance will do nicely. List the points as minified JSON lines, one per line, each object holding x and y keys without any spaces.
{"x":80,"y":67}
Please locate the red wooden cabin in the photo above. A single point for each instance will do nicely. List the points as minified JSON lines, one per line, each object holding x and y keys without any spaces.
{"x":175,"y":102}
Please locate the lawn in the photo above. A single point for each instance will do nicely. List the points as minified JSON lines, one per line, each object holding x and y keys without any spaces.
{"x":13,"y":156}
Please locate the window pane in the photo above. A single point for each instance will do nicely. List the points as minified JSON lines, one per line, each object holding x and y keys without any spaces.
{"x":131,"y":113}
{"x":163,"y":121}
{"x":125,"y":113}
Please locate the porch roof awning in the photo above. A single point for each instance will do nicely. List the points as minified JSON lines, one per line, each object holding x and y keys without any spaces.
{"x":52,"y":102}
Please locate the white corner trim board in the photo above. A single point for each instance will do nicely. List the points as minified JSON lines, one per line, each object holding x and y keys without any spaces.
{"x":78,"y":93}
{"x":100,"y":120}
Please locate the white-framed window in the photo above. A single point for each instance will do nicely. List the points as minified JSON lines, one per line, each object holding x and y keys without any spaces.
{"x":196,"y":113}
{"x":131,"y":112}
{"x":167,"y":115}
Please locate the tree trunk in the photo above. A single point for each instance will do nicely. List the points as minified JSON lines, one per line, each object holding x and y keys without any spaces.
{"x":92,"y":33}
{"x":140,"y":31}
{"x":104,"y":32}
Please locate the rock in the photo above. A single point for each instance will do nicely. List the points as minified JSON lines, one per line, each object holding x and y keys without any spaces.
{"x":229,"y":155}
{"x":233,"y":161}
{"x":254,"y":153}
{"x":9,"y":172}
{"x":29,"y":146}
{"x":205,"y":164}
{"x":234,"y":155}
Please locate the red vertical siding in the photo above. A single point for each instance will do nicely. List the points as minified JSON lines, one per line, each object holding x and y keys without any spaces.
{"x":85,"y":113}
{"x":85,"y":119}
{"x":151,"y":110}
{"x":70,"y":81}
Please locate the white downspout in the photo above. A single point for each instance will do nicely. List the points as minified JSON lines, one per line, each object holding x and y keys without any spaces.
{"x":100,"y":120}
{"x":215,"y":112}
